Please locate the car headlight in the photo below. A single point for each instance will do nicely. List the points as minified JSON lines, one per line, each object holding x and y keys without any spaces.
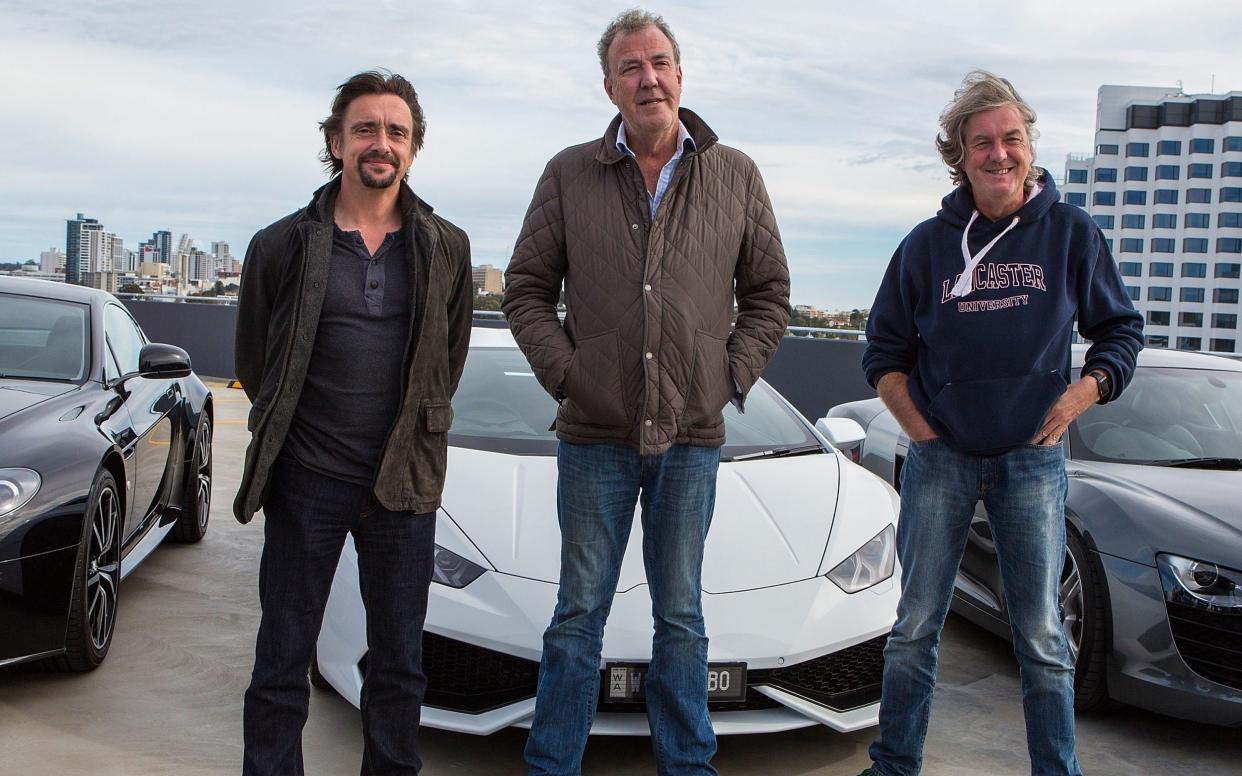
{"x":1200,"y":584}
{"x":870,"y":565}
{"x":453,"y":570}
{"x":17,"y":487}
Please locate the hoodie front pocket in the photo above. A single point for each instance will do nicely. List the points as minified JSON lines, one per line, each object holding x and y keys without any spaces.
{"x":997,"y":412}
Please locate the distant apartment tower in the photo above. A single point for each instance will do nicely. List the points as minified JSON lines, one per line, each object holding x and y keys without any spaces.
{"x":52,"y":261}
{"x":83,"y":242}
{"x":161,"y":244}
{"x":1165,"y":187}
{"x":488,"y":280}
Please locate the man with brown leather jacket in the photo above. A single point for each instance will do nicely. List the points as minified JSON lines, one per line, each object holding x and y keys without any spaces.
{"x":654,"y":230}
{"x":352,"y":333}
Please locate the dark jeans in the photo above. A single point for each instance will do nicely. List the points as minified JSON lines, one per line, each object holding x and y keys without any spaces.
{"x":306,"y":518}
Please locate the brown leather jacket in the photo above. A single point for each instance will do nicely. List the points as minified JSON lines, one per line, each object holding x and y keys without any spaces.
{"x":282,"y":292}
{"x":646,"y":356}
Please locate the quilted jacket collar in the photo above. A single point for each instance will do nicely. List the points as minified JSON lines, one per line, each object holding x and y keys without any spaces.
{"x":702,"y":134}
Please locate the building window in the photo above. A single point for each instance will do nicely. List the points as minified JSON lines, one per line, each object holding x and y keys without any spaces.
{"x":1198,"y":171}
{"x":1104,"y":222}
{"x":1202,"y":145}
{"x":1194,"y":269}
{"x":1135,"y":197}
{"x":1131,"y":245}
{"x":1106,"y":149}
{"x":1198,"y":196}
{"x":1233,"y":143}
{"x":1138,"y":149}
{"x":1130,"y":269}
{"x":1191,"y":295}
{"x":1164,"y":245}
{"x":1108,"y":241}
{"x":1231,"y":194}
{"x":1195,"y":245}
{"x":1159,"y":294}
{"x":1231,"y":169}
{"x":1190,"y":320}
{"x":1077,"y":176}
{"x":1140,"y":173}
{"x":1169,"y":148}
{"x":1157,"y":341}
{"x":1104,"y":198}
{"x":1197,"y":221}
{"x":1225,"y":295}
{"x":1132,"y":221}
{"x":1189,"y":343}
{"x":1165,"y":196}
{"x":1168,"y":172}
{"x":1158,"y":317}
{"x":1164,"y":221}
{"x":1105,"y":174}
{"x":1224,"y":320}
{"x":1229,"y":245}
{"x":1230,"y":220}
{"x":1076,"y":198}
{"x":1133,"y":291}
{"x":1222,"y":345}
{"x":1160,"y":269}
{"x":1228,"y":270}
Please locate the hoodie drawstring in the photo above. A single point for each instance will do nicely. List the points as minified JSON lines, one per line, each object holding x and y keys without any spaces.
{"x":966,"y":283}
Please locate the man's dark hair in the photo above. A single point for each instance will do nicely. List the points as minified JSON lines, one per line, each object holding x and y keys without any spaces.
{"x":370,"y":82}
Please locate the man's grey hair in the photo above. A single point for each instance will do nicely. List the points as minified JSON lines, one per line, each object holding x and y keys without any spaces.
{"x":980,"y":91}
{"x":634,"y":20}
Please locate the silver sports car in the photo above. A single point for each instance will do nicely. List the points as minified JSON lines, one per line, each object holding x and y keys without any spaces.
{"x":1151,"y":593}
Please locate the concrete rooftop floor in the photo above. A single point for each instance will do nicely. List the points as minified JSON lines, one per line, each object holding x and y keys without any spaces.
{"x":168,"y":698}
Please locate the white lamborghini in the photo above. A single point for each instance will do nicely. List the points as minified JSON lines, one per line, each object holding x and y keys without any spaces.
{"x":800,"y":579}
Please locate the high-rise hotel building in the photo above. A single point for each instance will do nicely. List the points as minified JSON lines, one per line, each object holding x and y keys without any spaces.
{"x":1165,"y":186}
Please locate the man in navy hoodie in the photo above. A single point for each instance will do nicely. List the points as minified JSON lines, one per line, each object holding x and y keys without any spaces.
{"x":969,"y":347}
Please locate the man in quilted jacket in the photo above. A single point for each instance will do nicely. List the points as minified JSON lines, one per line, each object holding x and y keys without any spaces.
{"x":654,"y":230}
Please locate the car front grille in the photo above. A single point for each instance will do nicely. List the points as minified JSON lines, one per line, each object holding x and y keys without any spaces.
{"x":842,"y":680}
{"x":471,"y":679}
{"x":1210,"y":642}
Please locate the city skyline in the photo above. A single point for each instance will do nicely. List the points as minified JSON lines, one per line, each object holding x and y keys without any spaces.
{"x":171,"y":128}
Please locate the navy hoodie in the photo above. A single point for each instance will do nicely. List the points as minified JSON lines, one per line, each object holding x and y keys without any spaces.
{"x":984,"y":369}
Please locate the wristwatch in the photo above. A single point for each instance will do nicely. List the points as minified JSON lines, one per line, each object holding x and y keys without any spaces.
{"x":1102,"y":384}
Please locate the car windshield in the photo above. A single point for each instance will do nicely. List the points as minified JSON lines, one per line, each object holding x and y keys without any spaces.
{"x":1166,"y":416}
{"x":500,"y":406}
{"x":42,"y":339}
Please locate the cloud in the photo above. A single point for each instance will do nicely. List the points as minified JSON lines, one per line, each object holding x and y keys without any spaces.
{"x":202,"y":117}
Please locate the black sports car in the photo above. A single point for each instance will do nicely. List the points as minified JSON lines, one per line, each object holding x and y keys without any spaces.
{"x":105,"y":449}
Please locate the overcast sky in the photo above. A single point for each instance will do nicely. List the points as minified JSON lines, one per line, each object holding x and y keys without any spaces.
{"x":201,"y":117}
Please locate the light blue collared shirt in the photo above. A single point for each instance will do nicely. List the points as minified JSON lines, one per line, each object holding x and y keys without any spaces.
{"x":666,"y":173}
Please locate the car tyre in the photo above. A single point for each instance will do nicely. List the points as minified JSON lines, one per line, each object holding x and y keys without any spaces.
{"x":1083,"y":607}
{"x":96,"y":582}
{"x":191,"y":527}
{"x":317,"y":679}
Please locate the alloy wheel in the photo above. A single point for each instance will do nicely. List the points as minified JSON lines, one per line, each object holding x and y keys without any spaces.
{"x":103,"y":568}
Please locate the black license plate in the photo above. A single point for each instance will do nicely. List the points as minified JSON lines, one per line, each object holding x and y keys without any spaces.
{"x":626,"y":682}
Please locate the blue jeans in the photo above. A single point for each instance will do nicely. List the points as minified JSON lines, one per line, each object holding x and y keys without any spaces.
{"x":597,"y":489}
{"x":1024,"y":493}
{"x":306,"y":519}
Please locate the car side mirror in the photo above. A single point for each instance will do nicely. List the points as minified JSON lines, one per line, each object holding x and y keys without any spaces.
{"x":163,"y":361}
{"x":845,"y":434}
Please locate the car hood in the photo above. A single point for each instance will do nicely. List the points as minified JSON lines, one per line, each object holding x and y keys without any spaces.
{"x":1190,"y":512}
{"x":771,"y":525}
{"x":17,"y":395}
